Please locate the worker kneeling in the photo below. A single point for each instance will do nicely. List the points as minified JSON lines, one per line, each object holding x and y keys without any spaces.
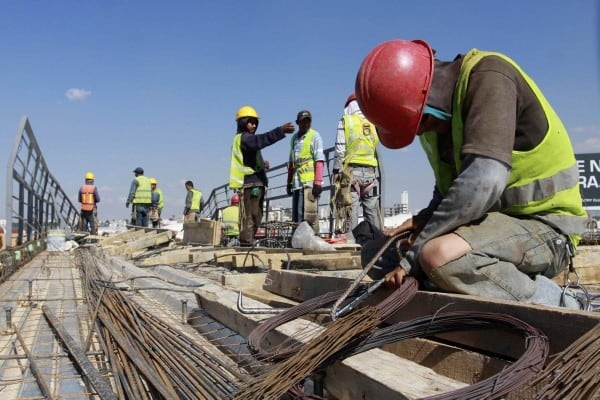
{"x":506,"y":211}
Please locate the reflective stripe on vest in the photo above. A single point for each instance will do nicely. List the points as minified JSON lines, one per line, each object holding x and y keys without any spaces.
{"x":543,"y":181}
{"x":87,"y":197}
{"x":304,"y":165}
{"x":196,"y":199}
{"x":143,"y":193}
{"x":361,"y":140}
{"x":230,"y":217}
{"x":238,"y":170}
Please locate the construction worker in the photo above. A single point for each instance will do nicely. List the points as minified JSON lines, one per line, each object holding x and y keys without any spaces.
{"x":89,"y":198}
{"x":158,"y":203}
{"x":140,"y":195}
{"x":247,"y":173}
{"x":193,"y":203}
{"x":305,"y":171}
{"x":230,"y":218}
{"x":506,"y":212}
{"x":356,"y":160}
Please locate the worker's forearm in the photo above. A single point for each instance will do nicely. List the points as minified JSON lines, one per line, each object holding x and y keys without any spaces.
{"x":473,"y":193}
{"x":260,"y":141}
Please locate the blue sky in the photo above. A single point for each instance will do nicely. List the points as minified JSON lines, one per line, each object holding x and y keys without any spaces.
{"x":112,"y":85}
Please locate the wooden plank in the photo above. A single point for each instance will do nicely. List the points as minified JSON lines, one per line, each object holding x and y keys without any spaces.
{"x":562,"y":326}
{"x":242,"y":281}
{"x":587,"y":265}
{"x":271,"y":299}
{"x":250,"y":259}
{"x":202,"y":255}
{"x":225,"y":256}
{"x":280,"y":260}
{"x":375,"y":374}
{"x":204,"y":232}
{"x":451,"y":361}
{"x":122,"y":237}
{"x":167,"y":257}
{"x":148,"y":240}
{"x":301,"y":286}
{"x":328,"y":262}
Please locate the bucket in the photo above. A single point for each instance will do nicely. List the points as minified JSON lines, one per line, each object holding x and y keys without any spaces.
{"x":56,"y":240}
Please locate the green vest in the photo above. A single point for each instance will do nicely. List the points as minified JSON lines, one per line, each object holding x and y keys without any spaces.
{"x":361,"y":140}
{"x":543,"y":181}
{"x":196,"y":200}
{"x":161,"y":201}
{"x":143,"y":193}
{"x":304,"y":164}
{"x":238,"y":170}
{"x":230,"y":218}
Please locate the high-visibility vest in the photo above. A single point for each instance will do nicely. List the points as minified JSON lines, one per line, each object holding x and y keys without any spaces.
{"x":543,"y":181}
{"x":161,"y":201}
{"x":361,"y":140}
{"x":143,"y":193}
{"x":238,"y":170}
{"x":88,"y":201}
{"x":196,"y":200}
{"x":230,"y":217}
{"x":304,"y":165}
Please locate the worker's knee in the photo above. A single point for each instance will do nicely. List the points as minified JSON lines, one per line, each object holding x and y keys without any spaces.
{"x":442,"y":250}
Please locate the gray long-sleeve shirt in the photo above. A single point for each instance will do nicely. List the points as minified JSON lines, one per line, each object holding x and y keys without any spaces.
{"x":473,"y":193}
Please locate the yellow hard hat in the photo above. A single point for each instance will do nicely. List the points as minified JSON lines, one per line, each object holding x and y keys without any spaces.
{"x":246,"y":111}
{"x":89,"y":175}
{"x":153,"y":181}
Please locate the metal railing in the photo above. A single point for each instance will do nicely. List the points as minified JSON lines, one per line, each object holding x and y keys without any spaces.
{"x":35,"y":202}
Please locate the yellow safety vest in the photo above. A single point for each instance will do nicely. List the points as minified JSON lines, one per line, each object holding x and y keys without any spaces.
{"x":361,"y":140}
{"x":238,"y":170}
{"x":196,"y":200}
{"x":230,"y":217}
{"x":543,"y":181}
{"x":161,"y":201}
{"x":143,"y":193}
{"x":304,"y":165}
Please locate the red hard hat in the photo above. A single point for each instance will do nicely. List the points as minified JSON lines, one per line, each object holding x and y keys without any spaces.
{"x":350,"y":98}
{"x":235,"y":200}
{"x":392,"y":85}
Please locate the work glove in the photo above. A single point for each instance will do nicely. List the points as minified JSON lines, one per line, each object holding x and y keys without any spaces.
{"x":127,"y":204}
{"x":317,"y":190}
{"x":289,"y":190}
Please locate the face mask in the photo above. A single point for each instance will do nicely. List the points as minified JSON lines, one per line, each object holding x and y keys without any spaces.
{"x":439,"y":114}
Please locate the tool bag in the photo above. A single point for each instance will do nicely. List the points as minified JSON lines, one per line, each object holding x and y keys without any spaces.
{"x":343,"y":198}
{"x":153,"y":214}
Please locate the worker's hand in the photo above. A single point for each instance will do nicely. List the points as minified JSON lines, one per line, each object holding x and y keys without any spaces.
{"x":266,"y":164}
{"x":394,"y":279}
{"x":288,"y":127}
{"x":415,"y":225}
{"x":336,"y":176}
{"x":317,"y":190}
{"x":289,"y":190}
{"x":127,"y":204}
{"x":405,"y":226}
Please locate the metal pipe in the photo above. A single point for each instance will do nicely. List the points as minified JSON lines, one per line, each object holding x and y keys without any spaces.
{"x":8,"y":318}
{"x":183,"y":310}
